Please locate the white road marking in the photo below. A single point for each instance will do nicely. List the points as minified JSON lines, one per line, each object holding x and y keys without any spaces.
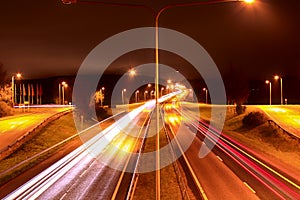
{"x":83,"y":173}
{"x":220,"y":158}
{"x":63,"y":196}
{"x":250,"y":188}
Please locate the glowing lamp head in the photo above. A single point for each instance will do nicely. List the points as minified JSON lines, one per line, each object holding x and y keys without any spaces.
{"x":267,"y":81}
{"x":19,"y":75}
{"x":276,"y":77}
{"x":204,"y":89}
{"x":69,"y":1}
{"x":249,"y":1}
{"x":132,"y":72}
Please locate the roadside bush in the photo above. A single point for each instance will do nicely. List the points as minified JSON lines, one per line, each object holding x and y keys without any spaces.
{"x":240,"y":109}
{"x":254,"y":119}
{"x":5,"y":109}
{"x":101,"y":113}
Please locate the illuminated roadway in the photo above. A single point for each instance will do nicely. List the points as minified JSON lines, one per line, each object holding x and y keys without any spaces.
{"x":257,"y":176}
{"x":286,"y":116}
{"x":228,"y":172}
{"x":217,"y":180}
{"x":12,"y":128}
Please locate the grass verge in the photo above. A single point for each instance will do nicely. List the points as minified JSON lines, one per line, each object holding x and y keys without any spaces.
{"x":267,"y":140}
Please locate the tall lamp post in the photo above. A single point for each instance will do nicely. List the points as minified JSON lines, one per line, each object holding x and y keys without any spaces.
{"x":13,"y":91}
{"x":157,"y":15}
{"x":161,"y":91}
{"x":145,"y":95}
{"x":61,"y":89}
{"x":136,"y":96}
{"x":64,"y":85}
{"x":281,"y":94}
{"x":102,"y":96}
{"x":205,"y":90}
{"x":269,"y":82}
{"x":123,"y":98}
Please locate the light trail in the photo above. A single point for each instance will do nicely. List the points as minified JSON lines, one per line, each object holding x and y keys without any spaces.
{"x":94,"y":146}
{"x":39,"y":184}
{"x":194,"y":177}
{"x":248,"y":162}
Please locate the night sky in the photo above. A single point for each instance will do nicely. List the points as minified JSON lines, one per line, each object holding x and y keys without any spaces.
{"x":47,"y":38}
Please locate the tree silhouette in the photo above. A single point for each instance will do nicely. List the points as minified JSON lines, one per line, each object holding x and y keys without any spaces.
{"x":2,"y":74}
{"x":237,"y":87}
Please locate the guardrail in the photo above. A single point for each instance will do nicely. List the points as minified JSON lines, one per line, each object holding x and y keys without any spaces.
{"x":28,"y":135}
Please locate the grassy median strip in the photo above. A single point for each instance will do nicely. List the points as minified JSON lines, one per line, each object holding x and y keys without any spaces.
{"x":53,"y":133}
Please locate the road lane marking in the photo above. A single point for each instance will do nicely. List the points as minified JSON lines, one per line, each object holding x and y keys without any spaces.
{"x":63,"y":196}
{"x":83,"y":173}
{"x":194,"y":176}
{"x":250,"y":188}
{"x":220,"y":158}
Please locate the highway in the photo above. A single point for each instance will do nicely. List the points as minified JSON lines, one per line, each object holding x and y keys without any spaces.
{"x":14,"y":127}
{"x":286,"y":116}
{"x":110,"y":165}
{"x":261,"y":179}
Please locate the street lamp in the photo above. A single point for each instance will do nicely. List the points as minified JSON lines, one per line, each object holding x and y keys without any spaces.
{"x":161,"y":91}
{"x":64,"y":85}
{"x":205,"y":90}
{"x":102,"y":96}
{"x":157,"y":15}
{"x":281,"y":95}
{"x":136,"y":96}
{"x":151,"y":94}
{"x":145,"y":95}
{"x":123,"y":98}
{"x":61,"y":87}
{"x":269,"y":82}
{"x":13,"y":91}
{"x":249,"y":1}
{"x":132,"y":72}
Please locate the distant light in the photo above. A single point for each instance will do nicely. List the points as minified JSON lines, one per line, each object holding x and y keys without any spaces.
{"x":267,"y":81}
{"x":19,"y":75}
{"x":124,"y":90}
{"x":169,"y":81}
{"x":204,"y":89}
{"x":149,"y":85}
{"x":249,"y":1}
{"x":69,"y":1}
{"x":132,"y":72}
{"x":276,"y":77}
